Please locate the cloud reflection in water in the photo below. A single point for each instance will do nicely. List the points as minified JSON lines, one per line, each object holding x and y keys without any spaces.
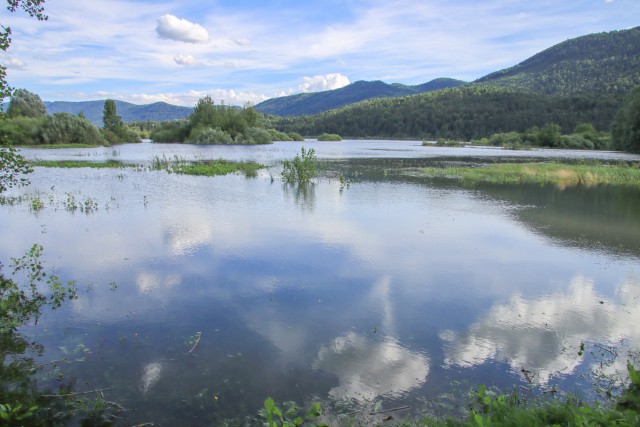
{"x":537,"y":334}
{"x":367,"y":369}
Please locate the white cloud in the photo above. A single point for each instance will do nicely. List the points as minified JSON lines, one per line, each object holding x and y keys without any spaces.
{"x":325,"y":82}
{"x":172,"y":28}
{"x":186,"y":99}
{"x":242,"y":41}
{"x":12,"y":63}
{"x":188,"y":60}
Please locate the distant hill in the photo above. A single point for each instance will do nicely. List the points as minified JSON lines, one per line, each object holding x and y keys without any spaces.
{"x":602,"y":63}
{"x":93,"y":111}
{"x":317,"y":102}
{"x":464,"y":113}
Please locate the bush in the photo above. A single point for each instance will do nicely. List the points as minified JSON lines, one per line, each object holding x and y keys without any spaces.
{"x":173,"y":131}
{"x":329,"y":137}
{"x":276,"y":135}
{"x":295,"y":136}
{"x":21,"y":130}
{"x":253,"y":136}
{"x":209,"y":136}
{"x":64,"y":128}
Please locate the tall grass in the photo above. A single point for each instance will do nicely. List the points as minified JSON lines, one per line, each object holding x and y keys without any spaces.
{"x":560,"y":174}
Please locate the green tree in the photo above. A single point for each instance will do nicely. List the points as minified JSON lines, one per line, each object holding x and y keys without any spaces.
{"x":27,"y":104}
{"x":626,"y":126}
{"x":110,"y":119}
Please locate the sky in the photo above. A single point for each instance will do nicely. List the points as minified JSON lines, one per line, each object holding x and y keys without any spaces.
{"x":241,"y":51}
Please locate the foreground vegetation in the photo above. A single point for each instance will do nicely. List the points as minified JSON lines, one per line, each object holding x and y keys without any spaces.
{"x":559,"y":174}
{"x":486,"y":408}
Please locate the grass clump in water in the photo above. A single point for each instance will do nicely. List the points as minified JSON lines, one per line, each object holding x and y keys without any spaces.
{"x":217,"y":167}
{"x":560,"y":174}
{"x":78,"y":164}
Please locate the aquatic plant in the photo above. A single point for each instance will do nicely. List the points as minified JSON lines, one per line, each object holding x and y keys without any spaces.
{"x":292,"y":416}
{"x":302,"y":168}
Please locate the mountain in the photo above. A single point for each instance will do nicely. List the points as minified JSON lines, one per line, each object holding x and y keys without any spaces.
{"x":317,"y":102}
{"x":463,"y":113}
{"x":602,"y":63}
{"x":93,"y":111}
{"x":581,"y":80}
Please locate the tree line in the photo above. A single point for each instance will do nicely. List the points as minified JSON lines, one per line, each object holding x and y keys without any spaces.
{"x":27,"y":123}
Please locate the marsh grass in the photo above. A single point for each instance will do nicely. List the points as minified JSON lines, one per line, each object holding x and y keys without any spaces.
{"x":115,"y":164}
{"x":57,"y":146}
{"x":561,"y":175}
{"x":218,"y":167}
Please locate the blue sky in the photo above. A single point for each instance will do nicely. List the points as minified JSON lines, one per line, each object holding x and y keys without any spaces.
{"x":241,"y":51}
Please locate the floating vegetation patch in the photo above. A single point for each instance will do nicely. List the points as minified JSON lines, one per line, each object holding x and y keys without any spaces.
{"x":560,"y":174}
{"x":182,"y":166}
{"x":79,"y":164}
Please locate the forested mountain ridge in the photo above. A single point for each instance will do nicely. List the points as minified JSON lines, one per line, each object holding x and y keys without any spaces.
{"x":463,"y":113}
{"x":602,"y":63}
{"x":93,"y":111}
{"x":317,"y":102}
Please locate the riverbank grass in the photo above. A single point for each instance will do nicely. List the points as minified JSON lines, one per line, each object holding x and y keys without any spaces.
{"x":559,"y":174}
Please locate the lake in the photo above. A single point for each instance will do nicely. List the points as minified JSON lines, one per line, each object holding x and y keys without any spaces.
{"x":201,"y":296}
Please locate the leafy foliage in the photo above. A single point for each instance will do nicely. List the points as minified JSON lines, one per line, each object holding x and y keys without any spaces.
{"x":25,"y":103}
{"x":626,"y":127}
{"x":13,"y":167}
{"x":63,"y":128}
{"x":302,"y":168}
{"x":215,"y":124}
{"x":291,"y":416}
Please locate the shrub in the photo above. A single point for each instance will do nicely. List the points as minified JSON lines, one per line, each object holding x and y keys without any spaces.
{"x":295,"y":136}
{"x":254,"y":136}
{"x":209,"y":136}
{"x":276,"y":135}
{"x":21,"y":130}
{"x":329,"y":137}
{"x":64,"y":128}
{"x":302,"y":168}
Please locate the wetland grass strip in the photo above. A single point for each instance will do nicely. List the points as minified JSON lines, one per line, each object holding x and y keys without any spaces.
{"x":560,"y":174}
{"x":79,"y":164}
{"x":217,"y":167}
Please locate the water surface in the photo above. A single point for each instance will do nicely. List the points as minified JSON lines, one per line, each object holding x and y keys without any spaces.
{"x":387,"y":291}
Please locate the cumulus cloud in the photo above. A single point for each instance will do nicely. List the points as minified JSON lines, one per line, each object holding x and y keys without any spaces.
{"x":172,"y":28}
{"x":188,"y":60}
{"x":325,"y":82}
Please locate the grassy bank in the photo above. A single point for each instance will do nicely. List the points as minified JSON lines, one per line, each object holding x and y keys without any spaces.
{"x":559,"y":174}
